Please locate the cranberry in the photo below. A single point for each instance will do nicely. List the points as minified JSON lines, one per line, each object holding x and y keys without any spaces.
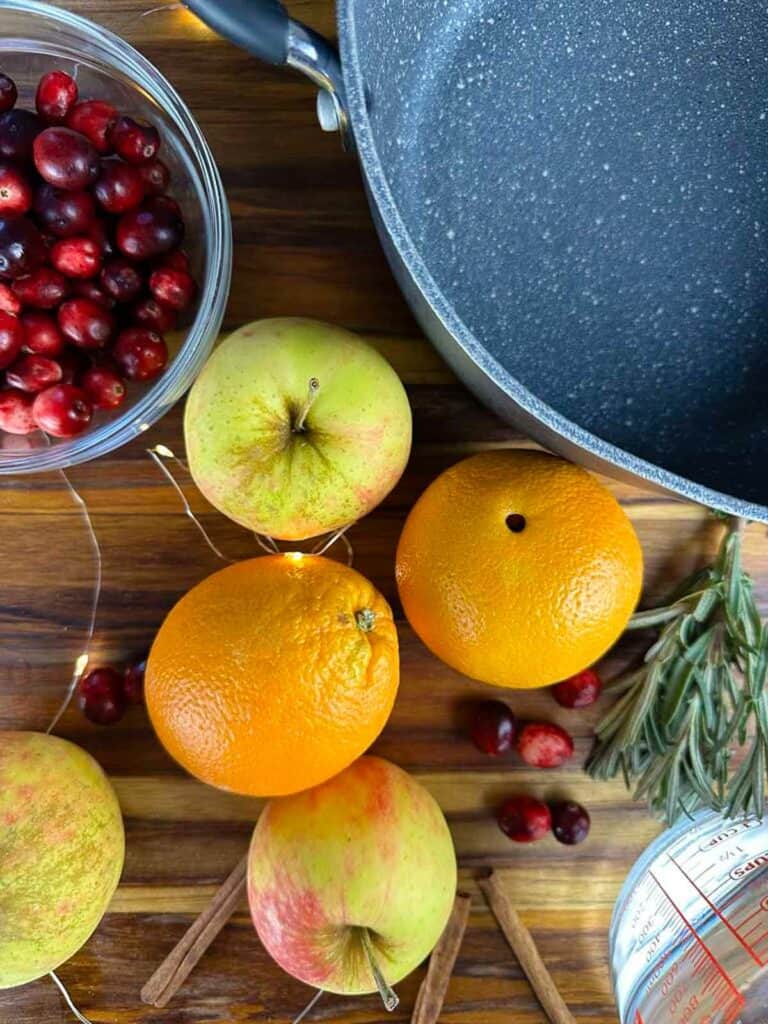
{"x":524,"y":819}
{"x":22,"y":248}
{"x":66,"y":159}
{"x":121,"y":279}
{"x":93,"y":119}
{"x":8,"y":93}
{"x":62,"y":411}
{"x":120,"y":186}
{"x":133,"y":682}
{"x":149,"y":230}
{"x":86,"y":289}
{"x":100,"y":234}
{"x":149,"y":313}
{"x":493,"y":728}
{"x":104,"y":387}
{"x":8,"y":300}
{"x":64,"y":213}
{"x":137,"y":143}
{"x":11,"y":338}
{"x":16,"y":412}
{"x":86,"y":323}
{"x":177,"y":259}
{"x":15,"y":190}
{"x":100,"y":696}
{"x":44,"y":288}
{"x":579,"y":691}
{"x":34,"y":373}
{"x":74,"y":363}
{"x":76,"y":257}
{"x":56,"y":95}
{"x":570,"y":822}
{"x":156,"y":177}
{"x":174,"y":288}
{"x":140,"y":353}
{"x":18,"y":130}
{"x":41,"y":334}
{"x":544,"y":745}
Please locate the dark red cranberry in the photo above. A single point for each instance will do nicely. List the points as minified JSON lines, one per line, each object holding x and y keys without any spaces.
{"x":544,"y":745}
{"x":11,"y":338}
{"x":85,"y":323}
{"x":89,"y":289}
{"x":139,"y":353}
{"x":16,"y":412}
{"x":493,"y":727}
{"x":165,"y":203}
{"x":15,"y":191}
{"x":8,"y":94}
{"x":64,"y":213}
{"x":93,"y":119}
{"x":524,"y":819}
{"x":570,"y":822}
{"x":104,"y":387}
{"x":56,"y":95}
{"x":100,"y":234}
{"x":62,"y":411}
{"x":177,"y":259}
{"x":66,"y":159}
{"x":137,"y":143}
{"x":133,"y":682}
{"x":9,"y":301}
{"x":149,"y":230}
{"x":174,"y":288}
{"x":44,"y":288}
{"x":121,"y":279}
{"x":100,"y":696}
{"x":18,"y":130}
{"x":120,"y":186}
{"x":33,"y":373}
{"x":22,"y":248}
{"x":149,"y":313}
{"x":41,"y":334}
{"x":156,"y":177}
{"x":76,"y":257}
{"x":579,"y":691}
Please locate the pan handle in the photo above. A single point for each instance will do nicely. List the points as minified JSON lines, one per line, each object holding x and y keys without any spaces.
{"x":263,"y":28}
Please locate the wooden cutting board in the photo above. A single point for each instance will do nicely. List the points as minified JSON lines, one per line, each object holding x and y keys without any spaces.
{"x":304,"y":246}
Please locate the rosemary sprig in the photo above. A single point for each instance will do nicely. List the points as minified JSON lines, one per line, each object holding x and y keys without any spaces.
{"x":700,"y":692}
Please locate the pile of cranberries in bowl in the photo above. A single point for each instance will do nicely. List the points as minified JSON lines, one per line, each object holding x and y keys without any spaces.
{"x":92,"y":275}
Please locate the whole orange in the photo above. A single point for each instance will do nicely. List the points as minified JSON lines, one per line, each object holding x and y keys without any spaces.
{"x":273,"y":674}
{"x":518,"y":568}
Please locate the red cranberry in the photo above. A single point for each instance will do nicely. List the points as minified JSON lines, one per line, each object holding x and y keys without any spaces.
{"x":141,"y":354}
{"x":133,"y":682}
{"x":174,"y":288}
{"x":99,"y":233}
{"x":493,"y":728}
{"x":33,"y":373}
{"x":18,"y":130}
{"x":149,"y":230}
{"x":104,"y":387}
{"x":177,"y":259}
{"x":11,"y":338}
{"x":100,"y":696}
{"x":120,"y":186}
{"x":93,"y":119}
{"x":64,"y":213}
{"x":570,"y":822}
{"x":544,"y":745}
{"x":44,"y":288}
{"x":62,"y":411}
{"x":134,"y":142}
{"x":16,"y":412}
{"x":86,"y":323}
{"x":22,"y":248}
{"x":524,"y":819}
{"x":121,"y":279}
{"x":156,"y":177}
{"x":8,"y":93}
{"x":149,"y":313}
{"x":8,"y":300}
{"x":15,"y":190}
{"x":76,"y":257}
{"x":66,"y":159}
{"x":90,"y":290}
{"x":579,"y":691}
{"x":41,"y":334}
{"x":56,"y":95}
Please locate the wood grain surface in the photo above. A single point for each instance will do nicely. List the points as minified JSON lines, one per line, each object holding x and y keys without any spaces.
{"x":305,"y":245}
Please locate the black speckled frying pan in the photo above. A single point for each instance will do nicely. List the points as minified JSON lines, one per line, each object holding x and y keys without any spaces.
{"x":574,"y":198}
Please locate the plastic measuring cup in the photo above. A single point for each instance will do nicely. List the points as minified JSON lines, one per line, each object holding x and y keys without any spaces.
{"x":689,"y":934}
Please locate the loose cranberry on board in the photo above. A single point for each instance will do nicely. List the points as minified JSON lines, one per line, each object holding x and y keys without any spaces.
{"x":524,"y":819}
{"x":543,"y":745}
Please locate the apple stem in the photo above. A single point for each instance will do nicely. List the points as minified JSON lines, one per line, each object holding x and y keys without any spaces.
{"x":310,"y":1006}
{"x":314,"y":387}
{"x":365,"y":619}
{"x":387,"y":993}
{"x":68,"y":999}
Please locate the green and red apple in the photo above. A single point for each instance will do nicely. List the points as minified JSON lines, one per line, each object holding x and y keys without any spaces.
{"x":296,"y":428}
{"x":61,"y":852}
{"x":363,"y":860}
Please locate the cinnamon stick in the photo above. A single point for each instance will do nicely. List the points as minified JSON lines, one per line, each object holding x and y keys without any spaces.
{"x":496,"y":891}
{"x":178,"y":965}
{"x":429,"y":1001}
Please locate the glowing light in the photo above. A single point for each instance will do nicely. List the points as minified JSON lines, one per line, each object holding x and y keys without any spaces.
{"x":81,"y":664}
{"x":295,"y":556}
{"x":163,"y":450}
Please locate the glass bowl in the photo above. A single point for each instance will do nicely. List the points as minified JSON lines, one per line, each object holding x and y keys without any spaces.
{"x":36,"y":37}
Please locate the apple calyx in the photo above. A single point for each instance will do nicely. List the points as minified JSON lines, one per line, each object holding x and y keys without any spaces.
{"x":365,"y":619}
{"x":300,"y":425}
{"x":388,"y":995}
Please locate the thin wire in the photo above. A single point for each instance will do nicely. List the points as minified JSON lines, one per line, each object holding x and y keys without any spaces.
{"x":338,"y":535}
{"x":68,"y":999}
{"x":163,"y":7}
{"x":267,"y":543}
{"x":309,"y":1007}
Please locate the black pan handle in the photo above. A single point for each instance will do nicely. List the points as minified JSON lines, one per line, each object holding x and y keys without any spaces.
{"x":263,"y":28}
